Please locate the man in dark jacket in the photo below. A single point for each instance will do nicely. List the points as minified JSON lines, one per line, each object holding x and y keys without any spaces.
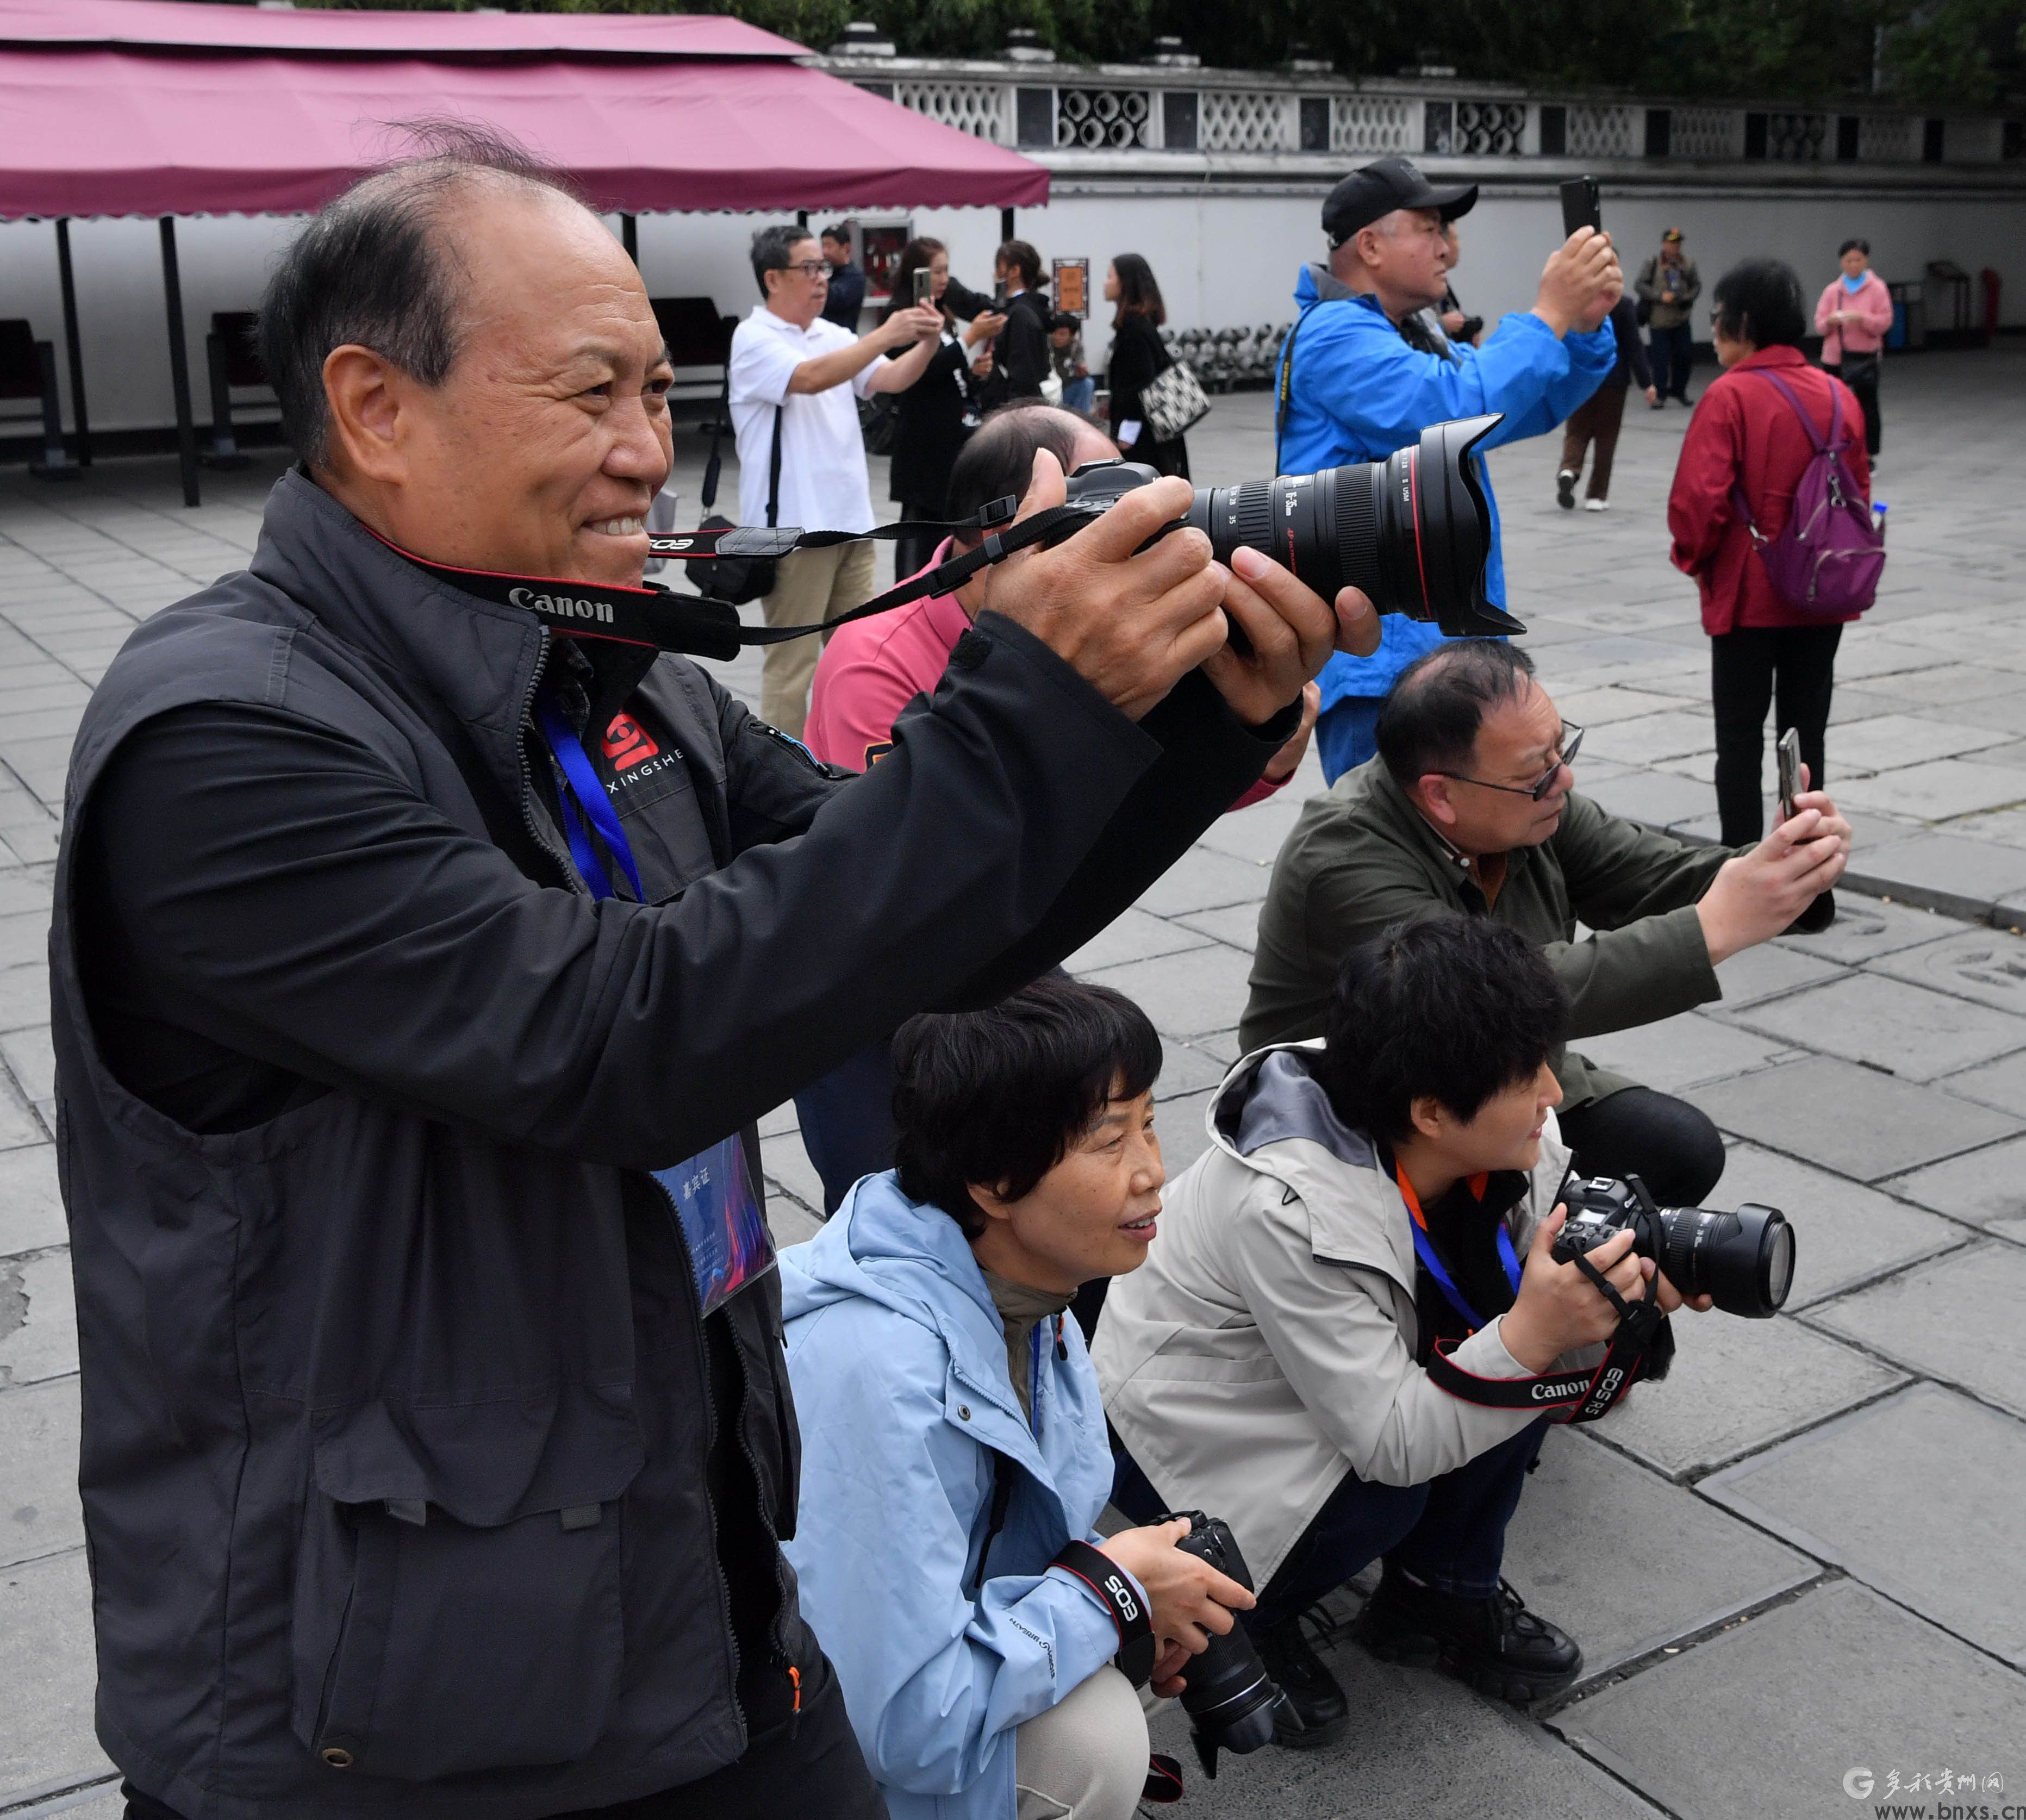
{"x":846,"y":298}
{"x":419,"y":974}
{"x":1469,"y":811}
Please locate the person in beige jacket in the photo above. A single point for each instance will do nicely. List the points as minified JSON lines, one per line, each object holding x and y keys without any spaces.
{"x":1319,"y":1345}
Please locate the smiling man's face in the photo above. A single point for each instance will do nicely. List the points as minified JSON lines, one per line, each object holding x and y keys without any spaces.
{"x":542,"y":449}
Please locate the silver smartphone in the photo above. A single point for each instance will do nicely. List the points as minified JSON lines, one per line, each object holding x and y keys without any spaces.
{"x":925,"y":284}
{"x":1789,"y":751}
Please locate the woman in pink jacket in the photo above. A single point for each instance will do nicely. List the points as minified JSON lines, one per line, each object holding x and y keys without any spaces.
{"x":1852,"y":319}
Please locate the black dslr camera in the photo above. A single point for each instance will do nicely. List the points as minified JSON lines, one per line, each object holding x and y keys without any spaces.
{"x":1230,"y":1697}
{"x":1743,"y":1261}
{"x":1412,"y":532}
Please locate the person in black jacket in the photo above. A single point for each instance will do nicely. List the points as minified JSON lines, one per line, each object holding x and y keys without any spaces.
{"x":846,"y":297}
{"x":1593,"y":425}
{"x":935,"y":416}
{"x":1021,"y":357}
{"x":418,"y":973}
{"x":1138,"y":357}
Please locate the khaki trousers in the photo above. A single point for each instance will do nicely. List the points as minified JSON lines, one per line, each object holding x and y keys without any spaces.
{"x":810,"y":587}
{"x":1085,"y":1757}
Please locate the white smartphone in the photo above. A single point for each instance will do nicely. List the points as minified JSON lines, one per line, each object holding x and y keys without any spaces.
{"x":1789,"y":751}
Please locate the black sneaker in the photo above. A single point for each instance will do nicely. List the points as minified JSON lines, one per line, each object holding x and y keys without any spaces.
{"x":1565,"y":489}
{"x":1312,"y":1710}
{"x":1495,"y":1645}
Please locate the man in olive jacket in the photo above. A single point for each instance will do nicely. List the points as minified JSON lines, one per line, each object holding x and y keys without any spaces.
{"x":418,"y":974}
{"x":1469,"y":811}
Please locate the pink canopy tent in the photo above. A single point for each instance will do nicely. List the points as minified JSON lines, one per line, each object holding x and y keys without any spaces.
{"x":162,"y":107}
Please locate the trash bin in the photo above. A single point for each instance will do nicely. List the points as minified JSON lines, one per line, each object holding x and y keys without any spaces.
{"x":1948,"y":313}
{"x":1909,"y":315}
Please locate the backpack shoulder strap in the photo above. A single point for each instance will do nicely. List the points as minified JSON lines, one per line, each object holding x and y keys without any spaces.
{"x":1801,"y":411}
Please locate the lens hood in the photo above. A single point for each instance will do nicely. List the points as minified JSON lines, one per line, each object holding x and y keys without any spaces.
{"x":1453,"y":522}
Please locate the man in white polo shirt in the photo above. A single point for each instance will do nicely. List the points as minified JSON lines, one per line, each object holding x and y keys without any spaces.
{"x":786,"y":360}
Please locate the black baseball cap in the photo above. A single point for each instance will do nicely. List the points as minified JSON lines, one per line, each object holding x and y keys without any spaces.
{"x":1377,"y":189}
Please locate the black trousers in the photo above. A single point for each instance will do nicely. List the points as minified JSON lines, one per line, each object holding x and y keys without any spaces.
{"x":809,"y":1764}
{"x":1449,"y":1532}
{"x":1673,"y":352}
{"x":1669,"y":1144}
{"x":1749,"y":669}
{"x":1860,"y":373}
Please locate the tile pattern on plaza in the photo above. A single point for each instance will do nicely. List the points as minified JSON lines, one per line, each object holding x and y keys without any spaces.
{"x":1797,"y":1557}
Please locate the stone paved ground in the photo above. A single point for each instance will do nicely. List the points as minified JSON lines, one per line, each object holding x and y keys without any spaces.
{"x":1798,"y":1557}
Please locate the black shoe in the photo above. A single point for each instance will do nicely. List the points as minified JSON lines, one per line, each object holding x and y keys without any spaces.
{"x":1565,"y":489}
{"x":1312,"y":1710}
{"x":1495,"y":1645}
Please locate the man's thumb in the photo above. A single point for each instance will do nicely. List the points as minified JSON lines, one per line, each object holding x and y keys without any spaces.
{"x":1045,"y":487}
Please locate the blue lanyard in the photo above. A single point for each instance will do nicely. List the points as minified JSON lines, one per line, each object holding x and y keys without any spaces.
{"x":581,"y":782}
{"x":1424,"y":1250}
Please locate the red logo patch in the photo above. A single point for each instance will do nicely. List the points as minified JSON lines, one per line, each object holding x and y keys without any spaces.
{"x":626,"y":742}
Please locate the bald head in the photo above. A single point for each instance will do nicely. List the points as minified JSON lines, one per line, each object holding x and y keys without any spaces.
{"x":386,"y":266}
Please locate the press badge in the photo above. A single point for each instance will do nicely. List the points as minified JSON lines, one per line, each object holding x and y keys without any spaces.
{"x":723,"y":1229}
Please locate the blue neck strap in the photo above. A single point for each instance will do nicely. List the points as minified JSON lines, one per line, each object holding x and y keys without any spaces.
{"x":1424,"y":1250}
{"x":581,"y":782}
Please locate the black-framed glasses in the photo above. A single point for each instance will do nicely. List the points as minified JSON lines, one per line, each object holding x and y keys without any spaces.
{"x":809,"y":268}
{"x":1572,"y":738}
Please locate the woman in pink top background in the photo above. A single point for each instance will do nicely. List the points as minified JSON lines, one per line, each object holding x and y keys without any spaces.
{"x":1853,"y":318}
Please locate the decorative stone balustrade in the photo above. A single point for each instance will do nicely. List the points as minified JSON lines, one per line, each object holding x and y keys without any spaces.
{"x":1172,"y":105}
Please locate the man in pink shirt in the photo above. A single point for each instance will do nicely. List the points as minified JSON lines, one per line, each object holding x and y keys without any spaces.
{"x":872,"y":668}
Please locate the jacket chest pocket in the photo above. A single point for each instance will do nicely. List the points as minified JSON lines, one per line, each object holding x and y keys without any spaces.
{"x":425,"y":1647}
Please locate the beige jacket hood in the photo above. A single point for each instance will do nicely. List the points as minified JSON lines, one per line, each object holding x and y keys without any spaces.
{"x":1267,"y":1345}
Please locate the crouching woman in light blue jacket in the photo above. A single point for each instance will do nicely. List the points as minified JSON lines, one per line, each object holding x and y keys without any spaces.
{"x":954,"y":1454}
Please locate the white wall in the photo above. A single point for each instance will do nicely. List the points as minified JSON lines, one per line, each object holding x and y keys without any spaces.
{"x":1223,"y":260}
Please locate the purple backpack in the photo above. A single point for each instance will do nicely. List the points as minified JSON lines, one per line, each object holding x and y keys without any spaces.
{"x":1827,"y":560}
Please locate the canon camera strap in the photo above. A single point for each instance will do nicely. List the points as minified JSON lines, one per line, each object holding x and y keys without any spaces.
{"x":664,"y":620}
{"x":1572,"y":1397}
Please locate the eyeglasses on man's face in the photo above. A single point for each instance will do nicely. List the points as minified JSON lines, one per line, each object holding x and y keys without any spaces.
{"x":809,"y":268}
{"x":1572,"y":738}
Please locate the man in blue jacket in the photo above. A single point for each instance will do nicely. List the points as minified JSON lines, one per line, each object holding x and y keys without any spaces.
{"x":1359,"y":378}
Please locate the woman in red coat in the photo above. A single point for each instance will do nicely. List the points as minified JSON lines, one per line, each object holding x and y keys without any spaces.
{"x":1744,"y":433}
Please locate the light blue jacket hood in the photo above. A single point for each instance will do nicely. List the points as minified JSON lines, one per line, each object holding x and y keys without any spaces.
{"x":1360,"y":392}
{"x":898,"y":1360}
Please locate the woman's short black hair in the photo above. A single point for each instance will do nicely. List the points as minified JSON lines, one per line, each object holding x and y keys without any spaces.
{"x":1863,"y":246}
{"x":1456,"y":1009}
{"x":998,"y":1097}
{"x":1758,"y":300}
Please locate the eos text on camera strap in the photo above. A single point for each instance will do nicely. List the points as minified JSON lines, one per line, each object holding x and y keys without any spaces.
{"x":1572,"y":1397}
{"x":663,"y":621}
{"x":1117,"y":1593}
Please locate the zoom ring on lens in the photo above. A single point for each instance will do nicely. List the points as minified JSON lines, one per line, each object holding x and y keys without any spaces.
{"x":1252,"y":516}
{"x":1357,"y":535}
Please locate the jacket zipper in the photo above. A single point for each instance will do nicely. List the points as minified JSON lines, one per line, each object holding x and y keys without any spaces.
{"x":523,"y":727}
{"x":689,"y":1282}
